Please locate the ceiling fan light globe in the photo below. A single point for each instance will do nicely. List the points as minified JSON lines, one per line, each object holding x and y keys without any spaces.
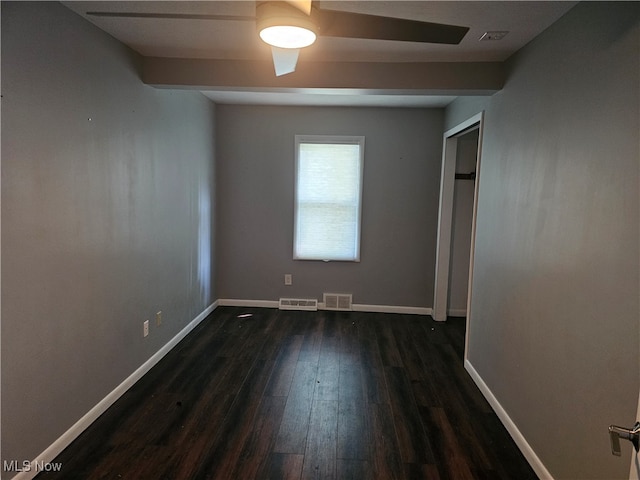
{"x":287,"y":36}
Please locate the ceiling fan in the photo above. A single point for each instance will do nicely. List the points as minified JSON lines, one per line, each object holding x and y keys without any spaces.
{"x":291,"y":25}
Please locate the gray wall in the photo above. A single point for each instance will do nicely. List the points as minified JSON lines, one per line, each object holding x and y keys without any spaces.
{"x":555,"y":307}
{"x":107,"y":208}
{"x":399,"y":214}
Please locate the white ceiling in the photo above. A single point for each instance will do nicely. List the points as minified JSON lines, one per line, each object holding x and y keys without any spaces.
{"x":237,"y":39}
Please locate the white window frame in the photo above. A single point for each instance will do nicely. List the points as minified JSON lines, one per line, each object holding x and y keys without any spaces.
{"x":329,"y":139}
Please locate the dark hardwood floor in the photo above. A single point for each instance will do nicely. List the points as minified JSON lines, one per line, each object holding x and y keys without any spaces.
{"x":301,"y":395}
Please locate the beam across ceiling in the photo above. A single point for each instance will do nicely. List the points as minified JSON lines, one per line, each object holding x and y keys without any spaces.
{"x":435,"y":78}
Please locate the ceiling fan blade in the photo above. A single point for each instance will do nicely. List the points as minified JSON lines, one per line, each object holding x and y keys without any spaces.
{"x":302,"y":5}
{"x":173,"y":16}
{"x":332,"y":23}
{"x":284,"y":60}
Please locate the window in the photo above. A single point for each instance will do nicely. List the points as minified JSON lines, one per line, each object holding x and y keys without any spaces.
{"x":327,"y":197}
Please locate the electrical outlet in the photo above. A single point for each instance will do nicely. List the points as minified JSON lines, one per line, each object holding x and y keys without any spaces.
{"x":159,"y":318}
{"x":145,"y":328}
{"x":288,"y":280}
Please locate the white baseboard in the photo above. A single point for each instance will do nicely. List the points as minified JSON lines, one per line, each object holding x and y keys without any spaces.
{"x":511,"y":427}
{"x":357,"y":307}
{"x":361,"y":307}
{"x":234,"y":302}
{"x":81,"y":425}
{"x":457,"y":312}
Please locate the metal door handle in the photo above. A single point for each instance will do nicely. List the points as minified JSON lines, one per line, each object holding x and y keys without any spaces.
{"x":616,"y":433}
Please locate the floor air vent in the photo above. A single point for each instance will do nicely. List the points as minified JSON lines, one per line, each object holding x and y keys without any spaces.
{"x":337,"y":301}
{"x":298,"y":304}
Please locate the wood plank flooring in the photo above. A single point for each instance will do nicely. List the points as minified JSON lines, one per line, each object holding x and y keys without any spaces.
{"x":302,"y":395}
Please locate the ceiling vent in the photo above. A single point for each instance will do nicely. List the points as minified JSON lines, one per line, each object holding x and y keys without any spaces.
{"x":337,"y":301}
{"x":495,"y":36}
{"x":310,"y":304}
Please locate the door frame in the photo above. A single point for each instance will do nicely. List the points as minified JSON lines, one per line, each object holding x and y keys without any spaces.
{"x":445,"y":215}
{"x":634,"y":469}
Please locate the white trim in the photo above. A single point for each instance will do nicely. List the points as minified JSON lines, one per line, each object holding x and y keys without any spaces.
{"x":234,"y":302}
{"x":81,"y":425}
{"x":474,"y":219}
{"x":457,"y":312}
{"x":356,"y":307}
{"x":634,"y":469}
{"x":445,"y":212}
{"x":466,"y":125}
{"x":445,"y":220}
{"x":360,"y":307}
{"x":511,"y":427}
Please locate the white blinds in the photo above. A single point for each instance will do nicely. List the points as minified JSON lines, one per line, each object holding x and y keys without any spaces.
{"x":328,"y":193}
